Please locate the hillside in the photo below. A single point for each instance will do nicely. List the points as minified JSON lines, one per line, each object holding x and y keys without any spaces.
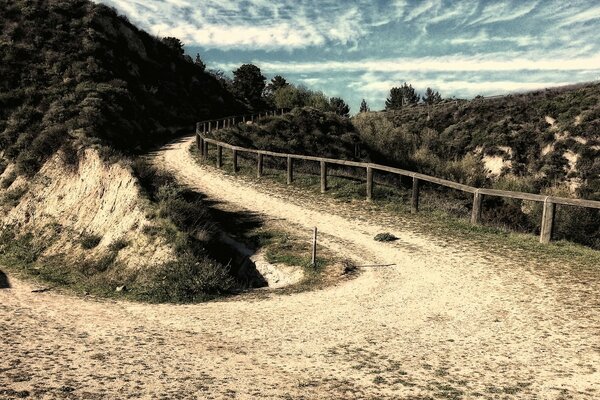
{"x":77,"y":70}
{"x":82,"y":93}
{"x":548,"y":138}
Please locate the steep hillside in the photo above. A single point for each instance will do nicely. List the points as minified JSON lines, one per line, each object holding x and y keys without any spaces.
{"x":74,"y":69}
{"x":82,"y":92}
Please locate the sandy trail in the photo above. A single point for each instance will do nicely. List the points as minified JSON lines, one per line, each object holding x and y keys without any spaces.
{"x":443,"y":323}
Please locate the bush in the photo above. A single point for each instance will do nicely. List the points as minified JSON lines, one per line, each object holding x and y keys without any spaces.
{"x":188,"y":279}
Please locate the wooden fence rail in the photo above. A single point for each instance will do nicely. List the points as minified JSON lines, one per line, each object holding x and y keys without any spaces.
{"x":549,"y":202}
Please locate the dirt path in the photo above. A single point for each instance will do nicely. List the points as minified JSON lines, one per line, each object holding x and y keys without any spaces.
{"x":442,"y":323}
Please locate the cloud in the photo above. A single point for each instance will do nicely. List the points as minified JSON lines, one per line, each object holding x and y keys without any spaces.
{"x":509,"y":62}
{"x":256,"y":24}
{"x":503,"y":12}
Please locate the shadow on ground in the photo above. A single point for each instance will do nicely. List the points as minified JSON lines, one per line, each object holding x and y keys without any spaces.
{"x":4,"y":283}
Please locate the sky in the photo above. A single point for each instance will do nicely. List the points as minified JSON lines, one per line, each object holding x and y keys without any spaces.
{"x":359,"y":49}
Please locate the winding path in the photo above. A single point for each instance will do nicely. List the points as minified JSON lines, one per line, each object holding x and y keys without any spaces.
{"x":443,"y":323}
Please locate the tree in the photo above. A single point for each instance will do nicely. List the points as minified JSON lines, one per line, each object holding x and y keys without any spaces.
{"x":364,"y":107}
{"x":199,"y":62}
{"x":291,"y":97}
{"x":401,"y":96}
{"x":174,"y":44}
{"x":432,"y":96}
{"x":339,"y":106}
{"x":277,"y":83}
{"x":249,"y":84}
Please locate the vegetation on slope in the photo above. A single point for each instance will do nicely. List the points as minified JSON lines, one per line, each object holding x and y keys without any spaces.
{"x":74,"y":69}
{"x":302,"y":131}
{"x":75,"y":75}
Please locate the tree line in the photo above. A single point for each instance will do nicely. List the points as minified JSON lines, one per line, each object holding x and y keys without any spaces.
{"x":250,"y":86}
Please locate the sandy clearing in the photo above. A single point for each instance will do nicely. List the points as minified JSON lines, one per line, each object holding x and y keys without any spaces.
{"x":443,"y":323}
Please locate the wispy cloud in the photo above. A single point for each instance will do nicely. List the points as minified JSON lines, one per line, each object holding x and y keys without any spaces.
{"x":363,"y":47}
{"x":440,"y":64}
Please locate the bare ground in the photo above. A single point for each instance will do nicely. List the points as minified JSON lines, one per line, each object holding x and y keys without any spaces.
{"x":444,"y":322}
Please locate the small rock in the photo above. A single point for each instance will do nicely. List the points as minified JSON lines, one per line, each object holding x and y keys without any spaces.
{"x":121,"y":288}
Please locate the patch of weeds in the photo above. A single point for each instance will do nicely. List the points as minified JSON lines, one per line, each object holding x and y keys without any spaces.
{"x":102,"y":264}
{"x":188,"y":279}
{"x":89,"y":240}
{"x":118,"y":245}
{"x":12,"y":197}
{"x":8,"y":180}
{"x":385,"y":237}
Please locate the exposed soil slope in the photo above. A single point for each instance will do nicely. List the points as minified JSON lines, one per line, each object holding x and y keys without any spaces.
{"x":442,"y":323}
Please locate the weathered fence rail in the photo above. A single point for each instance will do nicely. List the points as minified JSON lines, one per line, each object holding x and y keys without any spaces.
{"x":549,"y":202}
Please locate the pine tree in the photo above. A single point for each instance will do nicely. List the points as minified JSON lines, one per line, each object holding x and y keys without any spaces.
{"x":364,"y":107}
{"x":339,"y":106}
{"x":401,"y":96}
{"x":432,"y":96}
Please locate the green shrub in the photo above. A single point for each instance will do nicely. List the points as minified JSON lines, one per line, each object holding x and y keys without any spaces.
{"x":188,"y":279}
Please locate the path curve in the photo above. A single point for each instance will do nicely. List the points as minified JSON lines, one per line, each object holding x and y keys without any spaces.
{"x":444,"y":323}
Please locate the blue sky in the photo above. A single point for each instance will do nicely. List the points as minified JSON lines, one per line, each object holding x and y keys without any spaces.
{"x":360,"y":49}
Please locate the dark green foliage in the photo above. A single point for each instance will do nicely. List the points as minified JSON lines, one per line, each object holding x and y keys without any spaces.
{"x":249,"y":84}
{"x":431,"y":96}
{"x":364,"y":106}
{"x":339,"y":106}
{"x":174,"y":44}
{"x":76,"y":69}
{"x":401,"y":96}
{"x":188,"y":280}
{"x":303,"y":131}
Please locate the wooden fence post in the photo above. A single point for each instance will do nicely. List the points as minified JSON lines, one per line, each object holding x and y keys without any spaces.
{"x":205,"y":152}
{"x":204,"y":128}
{"x":198,"y":139}
{"x":290,"y":170}
{"x":414,"y":204}
{"x":259,"y":169}
{"x":235,"y":161}
{"x":547,"y":221}
{"x":244,"y":119}
{"x":198,"y":128}
{"x":477,"y":208}
{"x":323,"y":176}
{"x":210,"y":126}
{"x":219,"y":156}
{"x":313,"y":262}
{"x":369,"y":183}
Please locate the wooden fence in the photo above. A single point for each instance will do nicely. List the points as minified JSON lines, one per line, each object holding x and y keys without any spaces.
{"x":549,"y":202}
